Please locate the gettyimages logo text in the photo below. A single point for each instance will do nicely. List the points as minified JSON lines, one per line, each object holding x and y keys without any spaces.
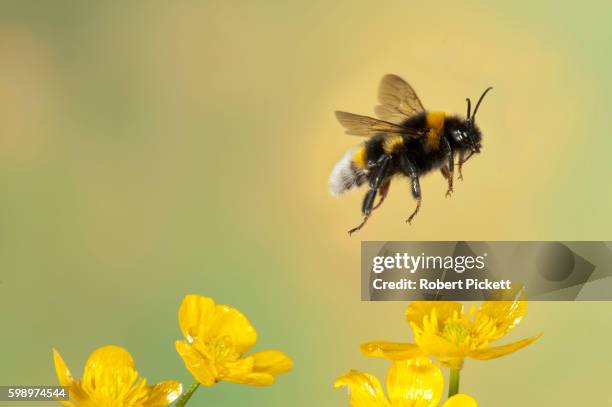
{"x":412,"y":264}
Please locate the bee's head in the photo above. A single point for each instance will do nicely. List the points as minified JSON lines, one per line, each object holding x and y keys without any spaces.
{"x":466,"y":134}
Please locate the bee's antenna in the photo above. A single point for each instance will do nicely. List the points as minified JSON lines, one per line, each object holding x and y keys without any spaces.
{"x":469,"y":107}
{"x":480,"y":100}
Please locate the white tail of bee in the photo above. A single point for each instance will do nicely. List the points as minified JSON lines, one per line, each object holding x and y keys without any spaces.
{"x":346,"y":175}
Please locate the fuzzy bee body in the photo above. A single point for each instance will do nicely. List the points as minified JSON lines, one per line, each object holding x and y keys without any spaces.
{"x":406,"y":141}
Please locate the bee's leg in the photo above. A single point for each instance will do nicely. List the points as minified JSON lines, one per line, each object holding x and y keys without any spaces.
{"x":460,"y":166}
{"x":375,"y":183}
{"x":358,"y":227}
{"x":448,"y":177}
{"x":416,"y":193}
{"x":383,"y":191}
{"x":462,"y":160}
{"x":368,"y":201}
{"x":415,"y":186}
{"x":449,"y":169}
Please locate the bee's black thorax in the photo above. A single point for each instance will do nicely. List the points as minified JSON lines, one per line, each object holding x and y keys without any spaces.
{"x":418,"y":149}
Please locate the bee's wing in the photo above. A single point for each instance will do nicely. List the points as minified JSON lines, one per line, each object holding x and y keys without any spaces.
{"x":368,"y":126}
{"x":398,"y":101}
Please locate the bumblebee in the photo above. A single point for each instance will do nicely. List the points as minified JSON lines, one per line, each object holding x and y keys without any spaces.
{"x":405,"y":140}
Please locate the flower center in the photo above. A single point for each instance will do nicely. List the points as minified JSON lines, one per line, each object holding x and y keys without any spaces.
{"x":218,"y":349}
{"x":455,"y":332}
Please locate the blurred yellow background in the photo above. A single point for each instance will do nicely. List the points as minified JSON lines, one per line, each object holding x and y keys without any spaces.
{"x":153,"y":149}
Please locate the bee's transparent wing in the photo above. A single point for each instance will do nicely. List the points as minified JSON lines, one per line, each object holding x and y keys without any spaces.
{"x":398,"y":101}
{"x":368,"y":126}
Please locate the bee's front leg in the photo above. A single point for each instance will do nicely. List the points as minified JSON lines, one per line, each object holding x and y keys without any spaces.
{"x":460,"y":166}
{"x":449,"y":178}
{"x":449,"y":169}
{"x":462,"y":160}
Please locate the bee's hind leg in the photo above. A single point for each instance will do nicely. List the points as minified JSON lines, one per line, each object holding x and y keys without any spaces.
{"x":358,"y":227}
{"x":376,"y":183}
{"x":368,"y":201}
{"x":383,"y":191}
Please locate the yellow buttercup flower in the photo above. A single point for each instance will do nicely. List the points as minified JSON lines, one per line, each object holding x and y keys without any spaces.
{"x":111,"y":380}
{"x":217,"y":336}
{"x":444,"y":330}
{"x":410,"y":383}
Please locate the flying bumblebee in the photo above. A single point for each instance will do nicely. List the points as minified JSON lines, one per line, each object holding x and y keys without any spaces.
{"x":405,"y":140}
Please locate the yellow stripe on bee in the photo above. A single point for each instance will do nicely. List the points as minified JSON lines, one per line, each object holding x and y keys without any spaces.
{"x":359,"y":158}
{"x":435,"y":122}
{"x":392,"y":143}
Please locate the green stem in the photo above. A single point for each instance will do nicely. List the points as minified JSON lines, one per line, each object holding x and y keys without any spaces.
{"x":453,"y":386}
{"x":187,"y":395}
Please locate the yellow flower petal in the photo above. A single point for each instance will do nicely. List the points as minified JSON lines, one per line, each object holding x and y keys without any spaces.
{"x":460,"y":400}
{"x":242,"y":371}
{"x":438,"y":346}
{"x":113,"y":359}
{"x":364,"y":389}
{"x":230,"y":322}
{"x":236,"y":369}
{"x":498,"y":351}
{"x":201,"y":319}
{"x":418,"y":310}
{"x":390,"y":350}
{"x":258,"y":369}
{"x":251,"y":379}
{"x":271,"y":361}
{"x":415,"y":382}
{"x":109,"y":369}
{"x":199,"y":367}
{"x":499,"y":317}
{"x":194,"y":312}
{"x":65,"y":379}
{"x":61,"y":369}
{"x":164,"y":393}
{"x":246,"y":375}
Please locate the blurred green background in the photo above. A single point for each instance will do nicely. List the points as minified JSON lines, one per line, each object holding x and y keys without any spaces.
{"x":153,"y":149}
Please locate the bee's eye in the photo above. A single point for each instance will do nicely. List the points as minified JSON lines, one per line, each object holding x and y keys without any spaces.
{"x":458,"y":135}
